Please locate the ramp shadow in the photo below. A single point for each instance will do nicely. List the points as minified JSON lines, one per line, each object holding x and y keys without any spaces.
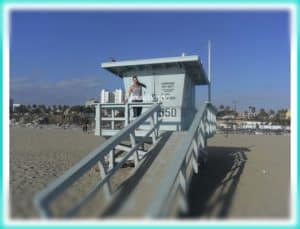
{"x":211,"y":190}
{"x":129,"y":185}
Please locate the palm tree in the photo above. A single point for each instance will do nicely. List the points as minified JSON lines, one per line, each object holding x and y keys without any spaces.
{"x":263,"y":115}
{"x":28,"y":107}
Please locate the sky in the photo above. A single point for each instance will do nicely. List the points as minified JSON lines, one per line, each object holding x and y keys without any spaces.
{"x":55,"y":56}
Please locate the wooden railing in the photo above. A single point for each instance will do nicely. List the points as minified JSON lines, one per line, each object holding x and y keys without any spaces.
{"x":176,"y":179}
{"x":45,"y":198}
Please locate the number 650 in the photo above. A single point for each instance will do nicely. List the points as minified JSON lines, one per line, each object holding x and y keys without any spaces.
{"x":168,"y":112}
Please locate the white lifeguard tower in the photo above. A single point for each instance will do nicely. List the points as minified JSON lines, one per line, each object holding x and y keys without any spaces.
{"x":169,"y":130}
{"x":170,"y":81}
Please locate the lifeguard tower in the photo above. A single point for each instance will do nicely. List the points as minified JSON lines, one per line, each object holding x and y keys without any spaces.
{"x":179,"y":135}
{"x":170,"y":81}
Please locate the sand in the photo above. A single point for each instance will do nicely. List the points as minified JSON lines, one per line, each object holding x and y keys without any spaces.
{"x":246,"y":177}
{"x":38,"y":156}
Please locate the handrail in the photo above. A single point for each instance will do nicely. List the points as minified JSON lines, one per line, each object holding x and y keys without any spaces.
{"x":43,"y":199}
{"x":113,"y":105}
{"x":126,"y":118}
{"x":192,"y":146}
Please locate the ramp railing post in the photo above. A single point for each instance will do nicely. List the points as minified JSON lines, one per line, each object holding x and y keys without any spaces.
{"x":126,"y":114}
{"x":136,"y":153}
{"x":195,"y":155}
{"x":152,"y":125}
{"x":183,"y":189}
{"x":156,"y":121}
{"x":98,"y":120}
{"x":111,"y":159}
{"x":113,"y":119}
{"x":107,"y":186}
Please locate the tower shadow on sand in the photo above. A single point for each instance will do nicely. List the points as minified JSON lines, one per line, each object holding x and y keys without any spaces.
{"x":211,"y":190}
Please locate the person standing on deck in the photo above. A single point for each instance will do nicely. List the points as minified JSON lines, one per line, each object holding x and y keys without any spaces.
{"x":135,"y":93}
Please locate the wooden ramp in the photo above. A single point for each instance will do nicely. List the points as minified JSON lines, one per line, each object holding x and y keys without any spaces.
{"x":145,"y":181}
{"x":159,"y":181}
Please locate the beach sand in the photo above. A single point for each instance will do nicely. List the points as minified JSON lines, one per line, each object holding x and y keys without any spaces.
{"x":39,"y":156}
{"x":247,"y":176}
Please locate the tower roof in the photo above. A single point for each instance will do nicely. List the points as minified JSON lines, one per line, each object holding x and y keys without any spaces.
{"x":190,"y":64}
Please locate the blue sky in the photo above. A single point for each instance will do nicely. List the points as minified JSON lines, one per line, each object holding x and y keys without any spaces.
{"x":55,"y":57}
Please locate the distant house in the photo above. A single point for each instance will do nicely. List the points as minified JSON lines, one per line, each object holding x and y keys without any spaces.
{"x":250,"y":125}
{"x":91,"y":102}
{"x":271,"y":116}
{"x":259,"y":125}
{"x":247,"y":114}
{"x":244,"y":115}
{"x":288,"y":114}
{"x":226,"y":125}
{"x":270,"y":127}
{"x":227,"y":117}
{"x":67,"y":111}
{"x":15,"y":105}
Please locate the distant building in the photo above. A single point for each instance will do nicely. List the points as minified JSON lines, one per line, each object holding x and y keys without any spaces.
{"x":252,"y":114}
{"x":271,"y":127}
{"x":247,"y":114}
{"x":288,"y":114}
{"x":91,"y":102}
{"x":67,"y":111}
{"x":271,"y":116}
{"x":228,"y":117}
{"x":15,"y":105}
{"x":250,"y":125}
{"x":106,"y":96}
{"x":116,"y":96}
{"x":119,"y":96}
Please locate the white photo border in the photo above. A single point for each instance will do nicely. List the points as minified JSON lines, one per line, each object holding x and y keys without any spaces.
{"x":291,"y":8}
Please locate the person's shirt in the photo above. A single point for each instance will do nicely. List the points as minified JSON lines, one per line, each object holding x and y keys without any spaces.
{"x":136,"y":93}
